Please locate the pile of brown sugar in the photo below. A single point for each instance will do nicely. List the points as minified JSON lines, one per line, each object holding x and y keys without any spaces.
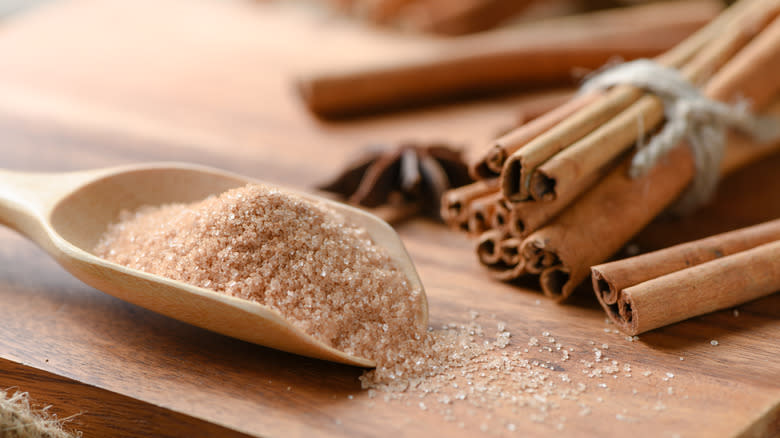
{"x":299,"y":257}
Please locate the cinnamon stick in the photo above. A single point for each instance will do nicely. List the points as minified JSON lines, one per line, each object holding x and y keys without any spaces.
{"x":527,"y":217}
{"x":459,"y":17}
{"x":491,"y":164}
{"x":713,"y":285}
{"x":747,"y":74}
{"x":513,"y":264}
{"x":504,"y":60}
{"x":500,"y":217}
{"x":609,"y":279}
{"x":510,"y":250}
{"x":455,"y":202}
{"x":499,"y":253}
{"x":489,"y":247}
{"x":384,"y":11}
{"x":480,"y":213}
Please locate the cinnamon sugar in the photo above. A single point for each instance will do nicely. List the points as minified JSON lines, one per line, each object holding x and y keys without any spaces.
{"x":296,"y":256}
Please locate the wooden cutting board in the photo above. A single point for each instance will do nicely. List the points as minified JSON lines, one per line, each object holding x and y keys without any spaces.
{"x":87,"y":84}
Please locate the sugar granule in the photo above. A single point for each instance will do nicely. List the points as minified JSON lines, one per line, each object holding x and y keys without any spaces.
{"x":298,"y":257}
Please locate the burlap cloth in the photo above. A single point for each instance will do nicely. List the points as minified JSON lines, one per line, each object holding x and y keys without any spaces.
{"x":19,"y":419}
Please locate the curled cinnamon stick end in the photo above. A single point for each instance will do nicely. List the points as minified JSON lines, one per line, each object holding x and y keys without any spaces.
{"x":489,"y":247}
{"x":455,"y":202}
{"x":480,"y":213}
{"x":501,"y":255}
{"x":517,"y":225}
{"x":548,"y":106}
{"x":537,"y":256}
{"x":500,"y":217}
{"x":510,"y":251}
{"x":554,"y":281}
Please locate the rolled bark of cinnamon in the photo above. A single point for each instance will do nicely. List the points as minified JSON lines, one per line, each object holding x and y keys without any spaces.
{"x":510,"y":250}
{"x":563,"y":175}
{"x":490,"y":165}
{"x":514,"y":264}
{"x":480,"y":213}
{"x":500,"y":254}
{"x":459,"y":17}
{"x":746,"y":74}
{"x":717,"y":284}
{"x":543,"y":53}
{"x":500,"y":218}
{"x":527,"y":217}
{"x":455,"y":202}
{"x":508,"y":273}
{"x":609,"y":279}
{"x":518,"y":168}
{"x":489,"y":247}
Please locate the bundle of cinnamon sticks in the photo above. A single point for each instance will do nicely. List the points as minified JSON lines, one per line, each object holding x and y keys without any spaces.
{"x":543,"y":53}
{"x":554,"y":196}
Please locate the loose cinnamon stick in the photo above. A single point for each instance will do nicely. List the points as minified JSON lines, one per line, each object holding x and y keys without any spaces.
{"x":499,"y":61}
{"x":384,"y":11}
{"x":460,"y":17}
{"x":713,"y":285}
{"x":609,"y":279}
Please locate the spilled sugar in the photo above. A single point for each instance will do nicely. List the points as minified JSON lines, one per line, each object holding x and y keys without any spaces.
{"x":328,"y":278}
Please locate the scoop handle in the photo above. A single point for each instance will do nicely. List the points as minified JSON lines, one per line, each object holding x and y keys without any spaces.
{"x":27,"y":198}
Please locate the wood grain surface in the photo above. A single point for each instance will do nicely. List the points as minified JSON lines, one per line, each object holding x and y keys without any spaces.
{"x":87,"y":84}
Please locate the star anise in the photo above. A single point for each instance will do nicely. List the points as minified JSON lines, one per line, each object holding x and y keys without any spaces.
{"x":409,"y":177}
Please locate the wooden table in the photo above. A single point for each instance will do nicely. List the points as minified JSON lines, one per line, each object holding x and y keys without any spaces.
{"x":86,"y":84}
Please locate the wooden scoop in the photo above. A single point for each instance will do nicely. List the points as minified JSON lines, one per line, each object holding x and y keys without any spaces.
{"x":66,"y":214}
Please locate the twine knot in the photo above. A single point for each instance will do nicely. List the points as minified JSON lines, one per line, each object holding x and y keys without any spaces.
{"x":702,"y":121}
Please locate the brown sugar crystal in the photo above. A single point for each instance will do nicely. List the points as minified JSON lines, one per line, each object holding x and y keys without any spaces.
{"x":293,"y":255}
